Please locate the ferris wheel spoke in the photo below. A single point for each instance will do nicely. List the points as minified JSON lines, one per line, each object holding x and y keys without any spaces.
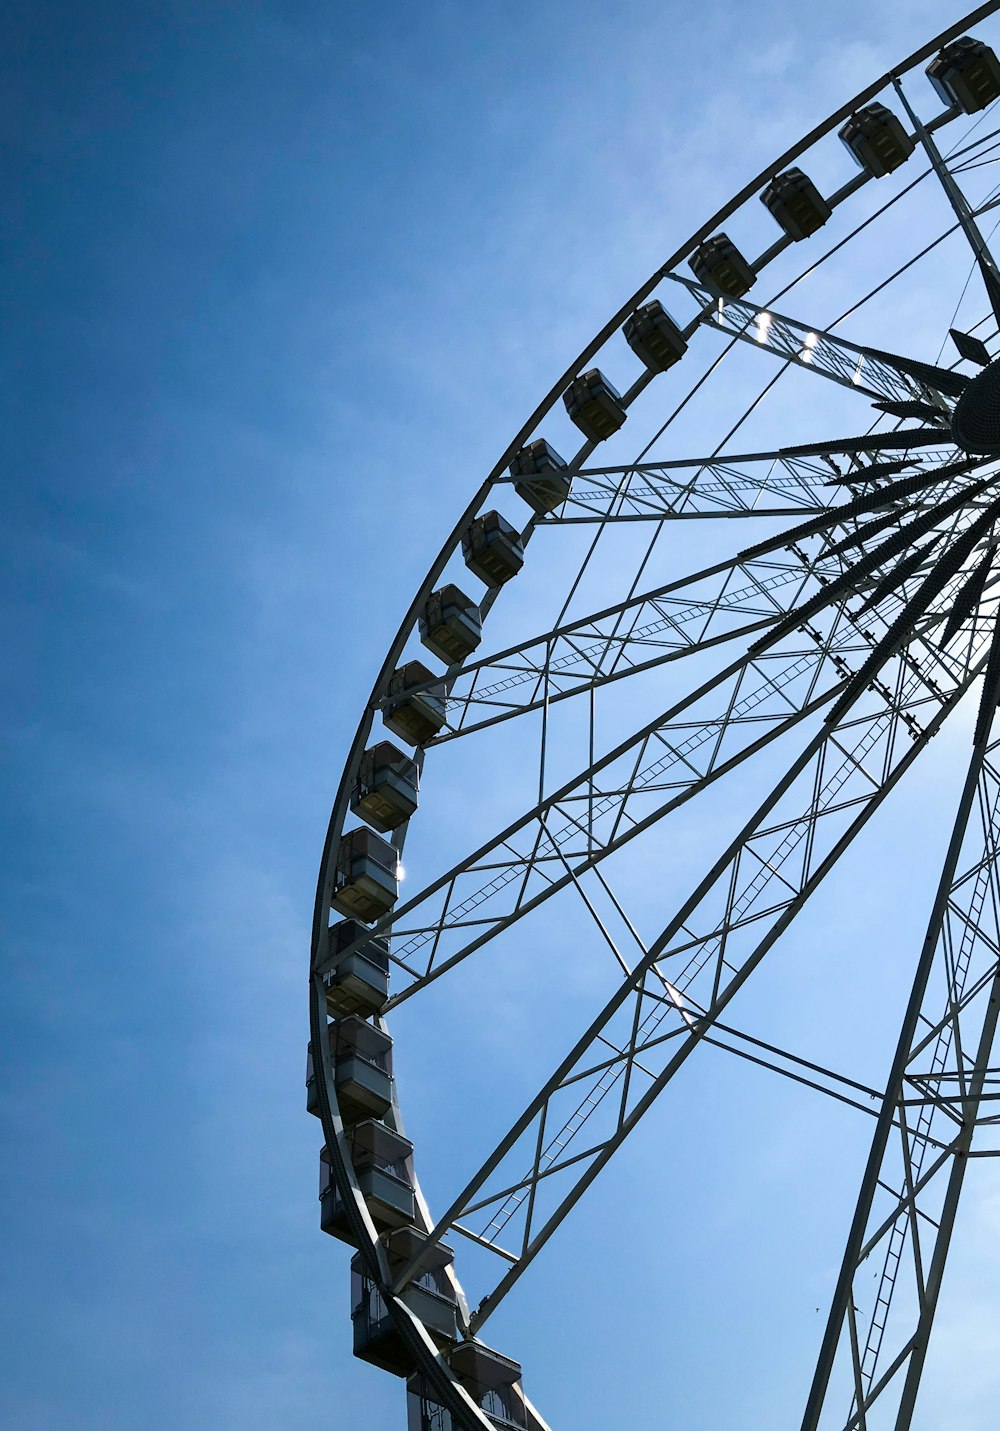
{"x":875,"y":442}
{"x":732,"y":600}
{"x":904,"y":497}
{"x":869,"y":371}
{"x":693,"y":613}
{"x":960,"y":205}
{"x":606,"y":807}
{"x":528,"y":872}
{"x":941,"y":1076}
{"x":798,"y":480}
{"x":750,"y":485}
{"x":863,"y":606}
{"x":647,"y":777}
{"x":741,"y":907}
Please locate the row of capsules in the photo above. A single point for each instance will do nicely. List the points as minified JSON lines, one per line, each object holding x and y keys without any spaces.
{"x":965,"y":75}
{"x":355,"y":974}
{"x":356,"y":983}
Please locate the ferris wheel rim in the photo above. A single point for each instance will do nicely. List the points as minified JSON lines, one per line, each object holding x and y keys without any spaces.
{"x":426,"y":1356}
{"x":548,"y":402}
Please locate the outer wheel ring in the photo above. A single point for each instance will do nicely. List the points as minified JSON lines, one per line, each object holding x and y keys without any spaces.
{"x":425,"y":1356}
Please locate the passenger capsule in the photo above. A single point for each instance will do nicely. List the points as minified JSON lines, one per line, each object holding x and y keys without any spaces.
{"x":363,"y":1088}
{"x":594,"y":405}
{"x":492,"y":549}
{"x":357,"y":983}
{"x":367,"y":875}
{"x":544,"y":482}
{"x":794,"y":201}
{"x":493,"y":1382}
{"x":966,"y":74}
{"x":876,"y":140}
{"x":414,"y":715}
{"x":362,"y":1061}
{"x":380,"y":1158}
{"x":385,"y":792}
{"x":430,"y":1296}
{"x":450,"y":625}
{"x":719,"y":265}
{"x":654,"y":337}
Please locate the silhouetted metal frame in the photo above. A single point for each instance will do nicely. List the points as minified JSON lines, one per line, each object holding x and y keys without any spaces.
{"x":428,"y":1361}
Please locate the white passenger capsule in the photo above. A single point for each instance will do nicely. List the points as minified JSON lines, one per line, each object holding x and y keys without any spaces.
{"x":362,"y":1062}
{"x":430,"y":1296}
{"x":380,"y":1158}
{"x":719,"y":265}
{"x":492,"y":1380}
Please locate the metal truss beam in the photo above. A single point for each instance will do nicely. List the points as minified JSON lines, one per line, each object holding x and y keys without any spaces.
{"x":875,"y":375}
{"x":959,"y":203}
{"x":694,"y":743}
{"x":742,"y":906}
{"x":794,"y":485}
{"x":875,"y":1341}
{"x":720,"y":603}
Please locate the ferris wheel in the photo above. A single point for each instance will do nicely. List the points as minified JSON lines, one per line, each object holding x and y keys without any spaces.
{"x":764,"y":580}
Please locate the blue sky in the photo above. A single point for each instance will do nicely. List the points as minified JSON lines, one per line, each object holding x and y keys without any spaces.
{"x":283,"y":281}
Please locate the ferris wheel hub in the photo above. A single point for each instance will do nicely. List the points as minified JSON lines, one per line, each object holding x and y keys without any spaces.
{"x":975,"y":423}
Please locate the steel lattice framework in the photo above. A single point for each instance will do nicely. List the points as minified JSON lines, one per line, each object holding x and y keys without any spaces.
{"x":859,"y":611}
